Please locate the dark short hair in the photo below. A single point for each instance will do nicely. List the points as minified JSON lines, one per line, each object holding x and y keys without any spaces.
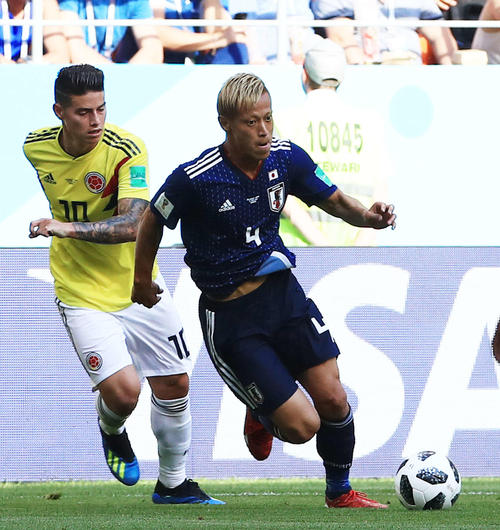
{"x":76,"y":80}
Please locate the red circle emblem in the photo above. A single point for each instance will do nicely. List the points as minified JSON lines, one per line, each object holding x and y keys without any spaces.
{"x":95,"y":182}
{"x":94,"y":361}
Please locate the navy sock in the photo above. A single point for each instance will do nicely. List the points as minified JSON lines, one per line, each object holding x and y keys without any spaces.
{"x":337,"y":482}
{"x":335,"y":445}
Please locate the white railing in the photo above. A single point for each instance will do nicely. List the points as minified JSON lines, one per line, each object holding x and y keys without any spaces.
{"x":282,"y":23}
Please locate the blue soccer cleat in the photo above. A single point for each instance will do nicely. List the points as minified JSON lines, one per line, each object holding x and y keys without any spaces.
{"x":186,"y":493}
{"x":120,"y":457}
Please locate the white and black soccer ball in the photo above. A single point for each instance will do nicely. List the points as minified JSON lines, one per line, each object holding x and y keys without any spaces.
{"x":427,"y":481}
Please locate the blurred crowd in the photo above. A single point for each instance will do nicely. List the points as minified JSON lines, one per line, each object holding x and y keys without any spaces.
{"x":216,"y":43}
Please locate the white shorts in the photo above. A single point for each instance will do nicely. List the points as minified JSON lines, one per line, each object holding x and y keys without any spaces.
{"x":150,"y":339}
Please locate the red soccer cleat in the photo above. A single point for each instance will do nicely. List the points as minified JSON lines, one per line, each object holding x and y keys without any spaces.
{"x":258,"y":440}
{"x":353,"y":499}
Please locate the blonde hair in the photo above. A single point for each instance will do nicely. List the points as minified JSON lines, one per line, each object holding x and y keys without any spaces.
{"x":239,"y":92}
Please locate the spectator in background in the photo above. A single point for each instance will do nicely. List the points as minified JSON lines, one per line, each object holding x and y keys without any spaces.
{"x":103,"y":44}
{"x":263,"y":41}
{"x":394,"y":44}
{"x":209,"y":45}
{"x":488,"y":39}
{"x":346,"y":142}
{"x":15,"y":41}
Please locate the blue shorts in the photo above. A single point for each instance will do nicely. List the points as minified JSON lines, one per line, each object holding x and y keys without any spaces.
{"x":261,"y":342}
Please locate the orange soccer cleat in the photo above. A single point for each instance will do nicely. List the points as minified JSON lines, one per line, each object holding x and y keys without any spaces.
{"x":353,"y":499}
{"x":258,"y":440}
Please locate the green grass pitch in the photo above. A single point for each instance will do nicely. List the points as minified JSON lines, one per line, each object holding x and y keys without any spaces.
{"x":252,"y":504}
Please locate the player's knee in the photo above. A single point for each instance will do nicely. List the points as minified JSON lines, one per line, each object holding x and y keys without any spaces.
{"x":170,"y":387}
{"x":334,"y":404}
{"x":122,"y":399}
{"x":121,"y":391}
{"x":126,"y":404}
{"x":303,"y":430}
{"x":338,"y":401}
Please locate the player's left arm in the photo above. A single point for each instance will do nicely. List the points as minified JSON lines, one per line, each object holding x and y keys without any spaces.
{"x":379,"y":215}
{"x":120,"y":228}
{"x":310,"y":183}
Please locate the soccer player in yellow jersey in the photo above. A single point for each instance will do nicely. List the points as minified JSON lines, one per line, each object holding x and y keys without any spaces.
{"x":95,"y":177}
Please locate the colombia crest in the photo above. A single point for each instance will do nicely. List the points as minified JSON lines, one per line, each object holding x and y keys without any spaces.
{"x":95,"y":182}
{"x":93,"y":361}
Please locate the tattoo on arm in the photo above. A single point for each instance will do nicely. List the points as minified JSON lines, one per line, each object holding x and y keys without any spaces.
{"x":117,"y":229}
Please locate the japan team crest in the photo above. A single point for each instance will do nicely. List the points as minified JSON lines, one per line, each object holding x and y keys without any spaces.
{"x":93,"y":361}
{"x":276,"y":195}
{"x":95,"y":182}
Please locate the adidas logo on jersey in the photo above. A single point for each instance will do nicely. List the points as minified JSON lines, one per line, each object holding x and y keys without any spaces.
{"x":49,"y":179}
{"x":226,"y":206}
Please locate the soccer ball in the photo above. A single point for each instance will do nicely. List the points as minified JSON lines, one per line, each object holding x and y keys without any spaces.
{"x":427,"y":481}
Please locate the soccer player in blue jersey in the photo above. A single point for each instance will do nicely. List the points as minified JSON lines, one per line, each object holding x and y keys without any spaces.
{"x":261,"y":332}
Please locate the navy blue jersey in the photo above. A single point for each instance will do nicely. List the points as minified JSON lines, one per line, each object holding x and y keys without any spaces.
{"x":229,"y":222}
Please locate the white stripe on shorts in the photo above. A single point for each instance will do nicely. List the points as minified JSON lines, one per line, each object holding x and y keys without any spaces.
{"x":224,"y":369}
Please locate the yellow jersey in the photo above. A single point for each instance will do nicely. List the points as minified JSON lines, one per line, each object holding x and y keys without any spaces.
{"x":88,"y":188}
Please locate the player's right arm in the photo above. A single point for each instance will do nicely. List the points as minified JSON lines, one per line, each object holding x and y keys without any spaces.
{"x":145,"y":291}
{"x":165,"y":209}
{"x":120,"y":228}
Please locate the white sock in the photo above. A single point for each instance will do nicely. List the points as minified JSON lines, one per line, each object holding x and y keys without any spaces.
{"x":171,"y":424}
{"x":110,"y":422}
